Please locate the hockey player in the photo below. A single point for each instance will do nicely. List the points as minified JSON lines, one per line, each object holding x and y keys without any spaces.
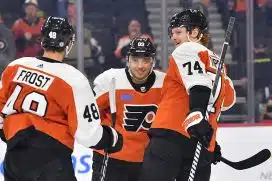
{"x":187,"y":112}
{"x":138,"y":93}
{"x":46,"y":105}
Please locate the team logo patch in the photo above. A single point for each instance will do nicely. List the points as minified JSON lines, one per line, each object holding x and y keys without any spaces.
{"x":214,"y":60}
{"x":139,"y":117}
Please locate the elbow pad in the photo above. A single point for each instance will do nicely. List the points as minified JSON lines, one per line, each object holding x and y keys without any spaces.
{"x":199,"y":98}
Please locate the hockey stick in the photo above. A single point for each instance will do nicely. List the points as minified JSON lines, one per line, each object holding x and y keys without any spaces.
{"x":113,"y":117}
{"x":215,"y":84}
{"x":252,"y":161}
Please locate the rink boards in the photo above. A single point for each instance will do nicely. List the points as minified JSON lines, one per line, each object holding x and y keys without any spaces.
{"x":237,"y":141}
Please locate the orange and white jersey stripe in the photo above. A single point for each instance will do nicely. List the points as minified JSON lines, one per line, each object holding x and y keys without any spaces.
{"x":135,"y":111}
{"x":191,"y":64}
{"x":52,"y":96}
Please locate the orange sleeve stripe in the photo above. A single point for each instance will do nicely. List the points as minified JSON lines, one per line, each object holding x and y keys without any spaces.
{"x":103,"y":101}
{"x":175,"y":68}
{"x":204,"y":58}
{"x":230,"y":95}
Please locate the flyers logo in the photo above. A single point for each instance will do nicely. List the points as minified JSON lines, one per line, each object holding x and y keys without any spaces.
{"x":214,"y":60}
{"x":139,"y":117}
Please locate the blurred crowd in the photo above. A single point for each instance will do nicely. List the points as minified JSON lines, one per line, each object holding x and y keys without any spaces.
{"x":21,"y":37}
{"x":262,"y":48}
{"x":108,"y":31}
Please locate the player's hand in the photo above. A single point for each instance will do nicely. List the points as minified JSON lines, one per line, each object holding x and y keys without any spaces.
{"x":216,"y":154}
{"x":198,"y":127}
{"x":116,"y":140}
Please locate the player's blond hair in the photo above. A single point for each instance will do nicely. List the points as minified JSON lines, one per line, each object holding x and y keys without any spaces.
{"x":205,"y":39}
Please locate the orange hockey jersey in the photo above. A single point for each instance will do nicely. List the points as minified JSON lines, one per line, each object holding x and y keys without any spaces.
{"x":52,"y":96}
{"x":135,"y":111}
{"x":192,"y":64}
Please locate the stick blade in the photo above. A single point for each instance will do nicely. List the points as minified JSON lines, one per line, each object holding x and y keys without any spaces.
{"x":253,"y":161}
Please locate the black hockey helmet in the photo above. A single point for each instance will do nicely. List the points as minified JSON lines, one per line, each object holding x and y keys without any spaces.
{"x":57,"y":33}
{"x":190,"y":19}
{"x":141,"y":47}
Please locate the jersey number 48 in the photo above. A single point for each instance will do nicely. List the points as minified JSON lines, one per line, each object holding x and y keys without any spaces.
{"x":33,"y":102}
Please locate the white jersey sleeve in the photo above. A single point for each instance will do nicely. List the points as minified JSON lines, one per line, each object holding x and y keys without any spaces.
{"x":102,"y":82}
{"x":88,"y":129}
{"x":191,"y":68}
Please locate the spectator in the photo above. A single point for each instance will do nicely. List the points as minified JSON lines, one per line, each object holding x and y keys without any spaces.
{"x":203,"y":6}
{"x":94,"y":59}
{"x":225,"y":9}
{"x":260,"y":31}
{"x":27,"y":31}
{"x":61,"y":8}
{"x":48,"y":8}
{"x":268,"y":110}
{"x":268,"y":15}
{"x":7,"y":45}
{"x":238,"y":7}
{"x":134,"y":31}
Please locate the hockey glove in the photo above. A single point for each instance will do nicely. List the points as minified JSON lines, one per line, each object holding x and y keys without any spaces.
{"x":2,"y":135}
{"x":198,"y":127}
{"x":116,"y":140}
{"x":216,"y":154}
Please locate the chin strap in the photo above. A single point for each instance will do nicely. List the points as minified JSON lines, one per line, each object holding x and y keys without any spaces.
{"x":196,"y":40}
{"x":68,"y":49}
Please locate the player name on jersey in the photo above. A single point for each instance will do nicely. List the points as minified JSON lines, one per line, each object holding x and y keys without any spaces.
{"x":33,"y":78}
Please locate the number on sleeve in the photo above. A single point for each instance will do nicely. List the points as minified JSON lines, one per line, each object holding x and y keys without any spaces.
{"x":94,"y":111}
{"x":91,"y":112}
{"x":197,"y":67}
{"x":188,"y":64}
{"x":86,"y":114}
